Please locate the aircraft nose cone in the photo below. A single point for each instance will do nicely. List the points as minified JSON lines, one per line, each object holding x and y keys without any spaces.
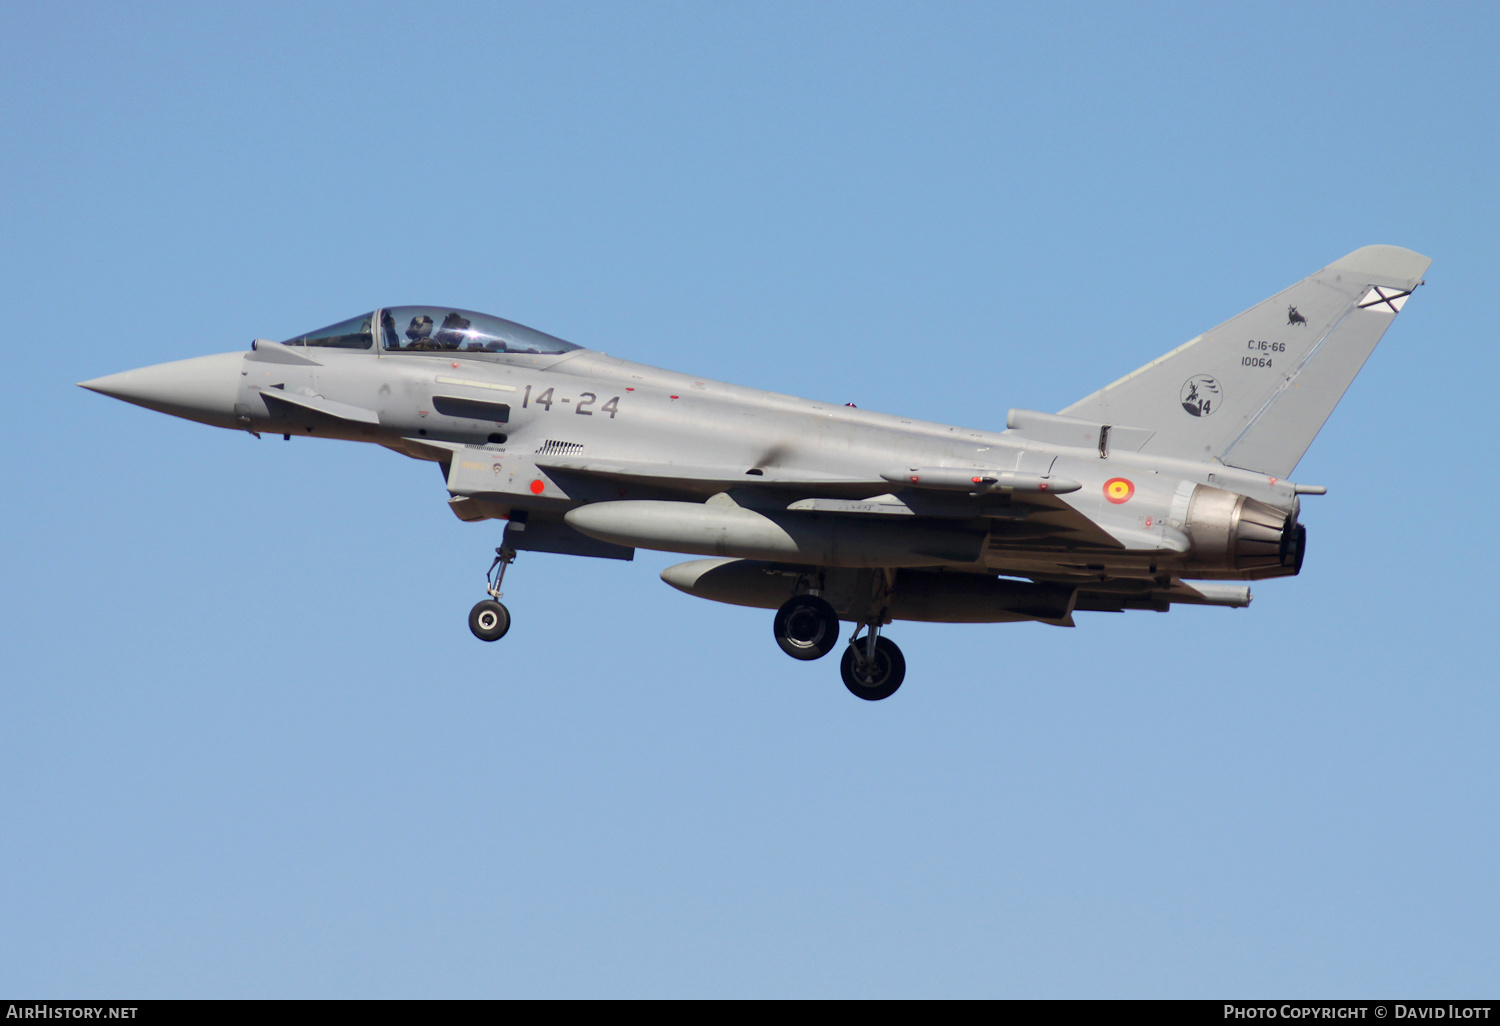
{"x":204,"y":388}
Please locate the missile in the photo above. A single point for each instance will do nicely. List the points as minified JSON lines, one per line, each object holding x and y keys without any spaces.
{"x":721,"y":528}
{"x":960,"y":479}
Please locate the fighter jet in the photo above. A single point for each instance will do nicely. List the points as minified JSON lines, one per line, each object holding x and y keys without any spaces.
{"x":1163,"y":488}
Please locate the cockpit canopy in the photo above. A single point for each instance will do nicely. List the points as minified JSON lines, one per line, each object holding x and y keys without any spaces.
{"x":434,"y":329}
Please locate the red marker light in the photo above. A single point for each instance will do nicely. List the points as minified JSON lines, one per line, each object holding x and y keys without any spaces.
{"x":630,"y":390}
{"x":536,"y":487}
{"x":976,"y":480}
{"x":671,"y":397}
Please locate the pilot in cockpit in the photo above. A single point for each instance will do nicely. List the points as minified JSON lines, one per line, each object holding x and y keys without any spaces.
{"x":452,"y":333}
{"x":419,"y":333}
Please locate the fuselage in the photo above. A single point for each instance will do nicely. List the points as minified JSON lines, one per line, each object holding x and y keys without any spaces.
{"x":1130,"y":517}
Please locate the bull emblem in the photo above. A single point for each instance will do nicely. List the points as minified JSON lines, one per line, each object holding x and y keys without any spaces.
{"x":1293,"y":317}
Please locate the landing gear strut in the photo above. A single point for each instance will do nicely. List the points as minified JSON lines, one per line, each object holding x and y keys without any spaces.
{"x":489,"y":620}
{"x":806,"y":627}
{"x":872,"y":667}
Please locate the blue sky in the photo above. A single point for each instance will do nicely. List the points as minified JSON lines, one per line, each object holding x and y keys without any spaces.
{"x":250,"y":748}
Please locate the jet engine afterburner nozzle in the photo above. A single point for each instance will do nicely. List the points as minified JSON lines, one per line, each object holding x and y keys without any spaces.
{"x":1238,"y":536}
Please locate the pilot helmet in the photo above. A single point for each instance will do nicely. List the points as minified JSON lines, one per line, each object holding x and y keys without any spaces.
{"x":419,"y":328}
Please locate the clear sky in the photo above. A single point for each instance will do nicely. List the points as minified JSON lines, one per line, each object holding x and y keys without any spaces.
{"x":250,"y":748}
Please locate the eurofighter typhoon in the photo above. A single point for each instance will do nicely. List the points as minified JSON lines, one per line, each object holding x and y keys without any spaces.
{"x":1165,"y":487}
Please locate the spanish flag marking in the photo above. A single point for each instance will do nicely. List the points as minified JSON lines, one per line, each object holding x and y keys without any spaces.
{"x":1118,"y":490}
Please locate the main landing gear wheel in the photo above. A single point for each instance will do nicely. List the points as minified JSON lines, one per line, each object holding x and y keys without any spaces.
{"x":489,"y":620}
{"x":873,"y":677}
{"x":806,"y":627}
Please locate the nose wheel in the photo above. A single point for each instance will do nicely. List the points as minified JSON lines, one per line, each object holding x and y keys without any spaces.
{"x":489,"y":619}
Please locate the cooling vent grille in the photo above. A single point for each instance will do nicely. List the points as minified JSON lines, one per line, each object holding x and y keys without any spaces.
{"x":552,"y":447}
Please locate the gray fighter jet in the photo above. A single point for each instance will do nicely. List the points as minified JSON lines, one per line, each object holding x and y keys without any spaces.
{"x":1158,"y":489}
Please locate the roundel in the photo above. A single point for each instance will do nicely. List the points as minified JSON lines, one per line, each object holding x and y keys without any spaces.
{"x":1118,"y":490}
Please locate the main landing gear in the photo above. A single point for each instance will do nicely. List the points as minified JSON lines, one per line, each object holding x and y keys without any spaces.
{"x":807,"y":627}
{"x":872,"y":667}
{"x":489,"y":620}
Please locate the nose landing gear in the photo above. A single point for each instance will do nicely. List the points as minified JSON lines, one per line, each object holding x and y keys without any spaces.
{"x":489,"y":619}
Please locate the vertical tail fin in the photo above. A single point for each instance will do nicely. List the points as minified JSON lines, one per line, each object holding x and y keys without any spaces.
{"x":1254,"y":391}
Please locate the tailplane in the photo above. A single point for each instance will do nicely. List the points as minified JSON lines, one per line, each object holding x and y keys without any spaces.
{"x":1254,"y":391}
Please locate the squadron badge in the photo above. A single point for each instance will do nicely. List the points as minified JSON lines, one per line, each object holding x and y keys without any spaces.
{"x":1200,"y":395}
